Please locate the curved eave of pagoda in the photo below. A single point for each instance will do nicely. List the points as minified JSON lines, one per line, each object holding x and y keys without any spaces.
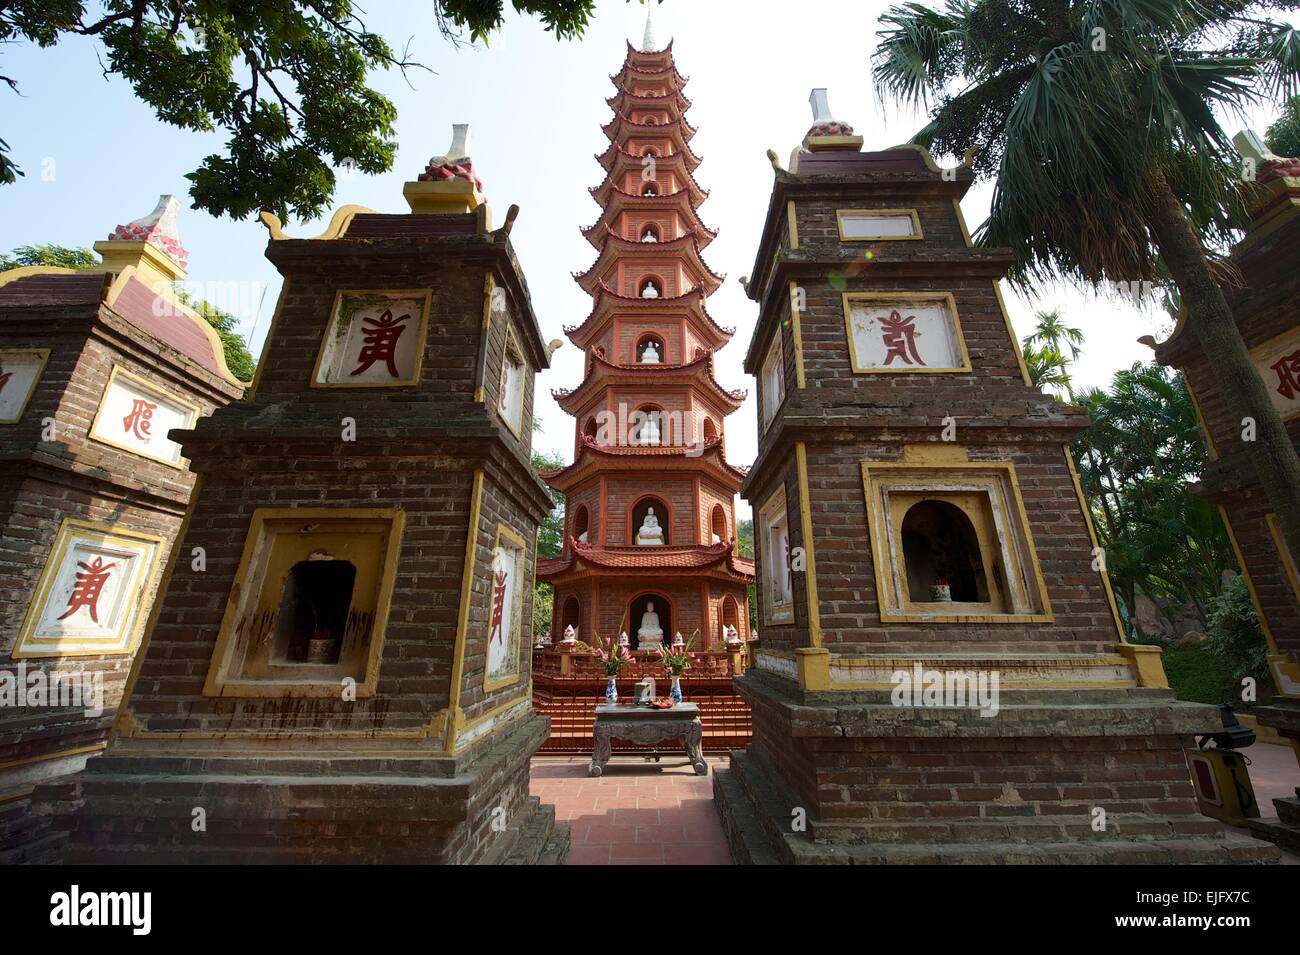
{"x":603,"y":373}
{"x":674,"y":163}
{"x":621,"y":127}
{"x":607,"y":302}
{"x":674,"y":80}
{"x":627,"y":250}
{"x":621,"y":202}
{"x":616,"y":149}
{"x":584,"y":560}
{"x":674,"y":99}
{"x":595,"y":459}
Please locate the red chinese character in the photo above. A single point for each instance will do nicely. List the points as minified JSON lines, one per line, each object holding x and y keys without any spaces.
{"x":4,"y":378}
{"x":137,"y":422}
{"x":90,"y":582}
{"x":1287,"y":367}
{"x":498,"y":606}
{"x":380,"y":342}
{"x":899,"y":335}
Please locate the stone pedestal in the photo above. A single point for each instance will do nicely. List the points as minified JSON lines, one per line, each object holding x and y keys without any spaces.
{"x":647,"y":725}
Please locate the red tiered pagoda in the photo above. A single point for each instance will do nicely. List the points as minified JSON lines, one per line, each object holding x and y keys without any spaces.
{"x":650,"y":536}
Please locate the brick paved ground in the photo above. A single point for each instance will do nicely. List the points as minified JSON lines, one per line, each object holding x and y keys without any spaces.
{"x":637,"y":813}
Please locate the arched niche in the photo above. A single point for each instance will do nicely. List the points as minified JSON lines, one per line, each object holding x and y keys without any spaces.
{"x":581,"y":524}
{"x":650,"y":189}
{"x":650,"y":287}
{"x":718,"y":524}
{"x":640,"y":510}
{"x":648,"y":426}
{"x":650,"y":233}
{"x":710,"y":429}
{"x":731,"y":614}
{"x":570,"y":615}
{"x":636,"y":610}
{"x":590,"y":428}
{"x":940,"y":546}
{"x":656,"y":343}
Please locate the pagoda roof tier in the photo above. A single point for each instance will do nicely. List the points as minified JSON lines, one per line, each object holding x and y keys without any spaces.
{"x":603,"y":373}
{"x":624,"y":160}
{"x":616,"y":149}
{"x":595,"y":459}
{"x":676,"y":82}
{"x":625,"y":97}
{"x":621,"y":126}
{"x":609,"y":302}
{"x":616,"y":249}
{"x":695,"y":560}
{"x":620,"y":201}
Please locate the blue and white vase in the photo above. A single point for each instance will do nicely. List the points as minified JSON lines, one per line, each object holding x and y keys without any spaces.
{"x":675,"y":694}
{"x":611,"y":690}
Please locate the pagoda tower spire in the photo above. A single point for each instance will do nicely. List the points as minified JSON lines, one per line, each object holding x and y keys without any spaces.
{"x":650,"y":536}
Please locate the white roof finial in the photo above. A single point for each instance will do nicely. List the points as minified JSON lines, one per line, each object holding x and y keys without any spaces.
{"x":821,"y":106}
{"x":648,"y":44}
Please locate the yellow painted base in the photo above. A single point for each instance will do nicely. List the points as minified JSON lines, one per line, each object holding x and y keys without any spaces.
{"x":1146,"y":664}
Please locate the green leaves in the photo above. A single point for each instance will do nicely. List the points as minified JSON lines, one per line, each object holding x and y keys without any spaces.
{"x":285,"y":79}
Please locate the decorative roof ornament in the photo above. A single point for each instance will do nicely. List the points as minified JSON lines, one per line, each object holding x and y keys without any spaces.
{"x":158,"y":229}
{"x":827,"y":132}
{"x":448,"y":183}
{"x":648,"y":44}
{"x":1268,"y":166}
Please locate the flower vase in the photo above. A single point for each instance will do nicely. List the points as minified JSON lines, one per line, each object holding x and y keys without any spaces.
{"x":675,"y":693}
{"x":611,"y":690}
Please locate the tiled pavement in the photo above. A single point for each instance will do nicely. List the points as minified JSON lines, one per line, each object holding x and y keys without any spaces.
{"x":638,"y":812}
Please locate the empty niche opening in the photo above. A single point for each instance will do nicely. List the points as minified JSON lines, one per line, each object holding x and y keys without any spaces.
{"x":941,"y":549}
{"x":312,"y":622}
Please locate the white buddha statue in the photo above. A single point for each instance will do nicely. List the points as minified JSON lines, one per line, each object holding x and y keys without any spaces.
{"x":650,"y":532}
{"x":582,"y":538}
{"x":650,"y":635}
{"x":649,"y":291}
{"x":648,"y":433}
{"x":649,"y":354}
{"x":649,"y":235}
{"x":570,"y":634}
{"x":715,"y":539}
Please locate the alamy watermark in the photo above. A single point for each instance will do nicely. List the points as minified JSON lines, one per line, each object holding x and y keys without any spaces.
{"x":974,"y":689}
{"x":59,"y":688}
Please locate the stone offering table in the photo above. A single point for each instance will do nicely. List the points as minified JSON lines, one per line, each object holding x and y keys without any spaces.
{"x":645,"y":724}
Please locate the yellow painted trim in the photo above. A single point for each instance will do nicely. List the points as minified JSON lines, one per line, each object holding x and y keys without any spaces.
{"x":462,"y":623}
{"x":881,"y":559}
{"x":797,"y":330}
{"x":463,"y":726}
{"x":1146,"y":663}
{"x":480,"y":393}
{"x":44,"y":355}
{"x":961,"y":221}
{"x":1250,"y":584}
{"x":925,"y":155}
{"x":222,"y":684}
{"x":424,"y":293}
{"x":46,"y":757}
{"x":766,"y":420}
{"x":917,"y":233}
{"x":1288,"y":563}
{"x":810,"y":562}
{"x":177,"y":307}
{"x":262,"y":359}
{"x":814,"y":668}
{"x":848,"y":298}
{"x":1092,"y":536}
{"x":339,"y":222}
{"x":1200,"y":418}
{"x":491,"y":686}
{"x":17,"y":794}
{"x":62,"y":540}
{"x":120,"y":372}
{"x":1011,"y":334}
{"x":27,"y":271}
{"x":792,"y":225}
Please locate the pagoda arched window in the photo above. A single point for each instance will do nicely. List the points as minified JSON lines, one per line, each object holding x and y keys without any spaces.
{"x":650,"y":350}
{"x":941,"y":553}
{"x":650,"y":189}
{"x":650,"y":233}
{"x":710,"y":429}
{"x":589,"y":429}
{"x":649,"y":522}
{"x":718,"y":524}
{"x":650,"y":288}
{"x":581,"y":524}
{"x":649,"y":427}
{"x":650,"y":151}
{"x":571,"y":615}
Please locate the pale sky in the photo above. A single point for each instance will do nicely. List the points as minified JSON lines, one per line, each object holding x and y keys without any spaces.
{"x":95,"y":157}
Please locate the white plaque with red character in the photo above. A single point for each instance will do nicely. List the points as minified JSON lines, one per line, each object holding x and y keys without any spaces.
{"x":909,"y":332}
{"x":136,"y":416}
{"x":91,"y":596}
{"x":1278,"y":363}
{"x":373,"y":339}
{"x":20,"y":369}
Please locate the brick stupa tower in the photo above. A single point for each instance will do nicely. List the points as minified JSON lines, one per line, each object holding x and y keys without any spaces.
{"x":338,"y":669}
{"x":650,"y":536}
{"x":939,"y":541}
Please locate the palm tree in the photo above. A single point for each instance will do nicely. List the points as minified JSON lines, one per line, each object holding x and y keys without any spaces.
{"x":1047,"y":367}
{"x":1096,"y":119}
{"x":1054,"y":336}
